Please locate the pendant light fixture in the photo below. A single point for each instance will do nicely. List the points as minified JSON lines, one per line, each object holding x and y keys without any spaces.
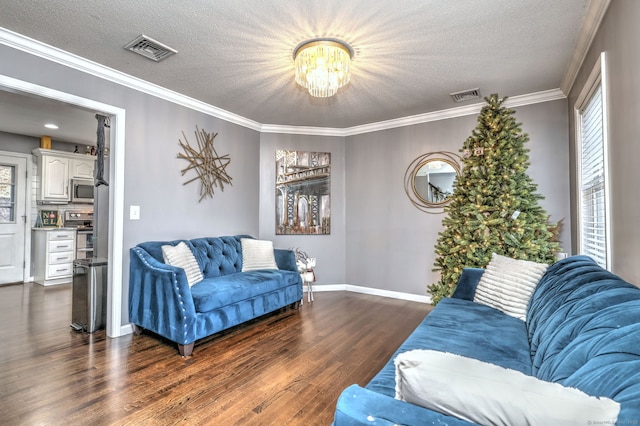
{"x":323,"y":66}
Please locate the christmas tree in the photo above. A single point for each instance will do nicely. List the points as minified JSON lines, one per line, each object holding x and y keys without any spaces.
{"x":494,"y":207}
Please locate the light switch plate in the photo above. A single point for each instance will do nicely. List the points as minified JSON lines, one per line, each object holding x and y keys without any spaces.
{"x":134,"y":212}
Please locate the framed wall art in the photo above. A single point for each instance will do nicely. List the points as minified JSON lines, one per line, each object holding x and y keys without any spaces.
{"x":303,"y":193}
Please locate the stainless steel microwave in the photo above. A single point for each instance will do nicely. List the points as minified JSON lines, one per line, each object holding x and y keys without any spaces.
{"x":82,"y":191}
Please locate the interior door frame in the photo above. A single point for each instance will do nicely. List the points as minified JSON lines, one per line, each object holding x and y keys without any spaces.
{"x":26,"y":276}
{"x":116,"y":189}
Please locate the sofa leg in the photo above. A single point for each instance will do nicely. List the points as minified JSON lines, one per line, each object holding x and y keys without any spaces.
{"x":137,"y":330}
{"x":186,"y":350}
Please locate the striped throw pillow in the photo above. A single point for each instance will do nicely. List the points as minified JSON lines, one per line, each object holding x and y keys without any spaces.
{"x":257,"y":254}
{"x":181,"y":256}
{"x":507,"y":284}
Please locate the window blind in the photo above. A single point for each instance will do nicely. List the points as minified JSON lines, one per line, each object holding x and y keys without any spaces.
{"x":593,"y":240}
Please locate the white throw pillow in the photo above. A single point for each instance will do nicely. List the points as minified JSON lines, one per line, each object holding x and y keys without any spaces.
{"x":257,"y":254}
{"x":181,"y":256}
{"x":488,"y":394}
{"x":507,"y":284}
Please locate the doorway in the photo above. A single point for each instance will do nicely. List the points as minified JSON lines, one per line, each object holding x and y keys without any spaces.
{"x":116,"y":189}
{"x":13,"y":217}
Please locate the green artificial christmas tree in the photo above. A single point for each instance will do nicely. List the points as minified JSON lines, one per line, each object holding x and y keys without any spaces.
{"x":494,"y":207}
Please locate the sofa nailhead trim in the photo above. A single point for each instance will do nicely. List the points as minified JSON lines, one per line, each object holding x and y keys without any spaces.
{"x":175,"y":282}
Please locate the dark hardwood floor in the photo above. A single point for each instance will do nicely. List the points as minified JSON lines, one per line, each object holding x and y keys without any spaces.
{"x":287,"y":368}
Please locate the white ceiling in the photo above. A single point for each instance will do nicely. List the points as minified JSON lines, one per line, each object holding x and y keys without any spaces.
{"x":237,"y":56}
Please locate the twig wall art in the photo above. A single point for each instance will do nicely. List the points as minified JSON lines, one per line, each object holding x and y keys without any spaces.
{"x":210,"y":167}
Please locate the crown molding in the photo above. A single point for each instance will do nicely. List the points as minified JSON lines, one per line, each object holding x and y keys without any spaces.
{"x":534,"y":98}
{"x":302,"y":130}
{"x":593,"y":18}
{"x":512,"y":102}
{"x":414,"y":119}
{"x":51,"y":53}
{"x":59,"y":56}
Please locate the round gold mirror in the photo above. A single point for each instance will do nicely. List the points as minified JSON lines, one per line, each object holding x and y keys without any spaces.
{"x":433,"y":181}
{"x":430,"y":178}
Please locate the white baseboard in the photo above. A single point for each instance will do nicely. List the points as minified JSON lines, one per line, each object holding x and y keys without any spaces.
{"x":126,"y":329}
{"x":331,"y":287}
{"x":373,"y":292}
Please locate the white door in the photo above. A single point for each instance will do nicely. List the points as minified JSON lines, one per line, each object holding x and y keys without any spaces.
{"x":13,"y":178}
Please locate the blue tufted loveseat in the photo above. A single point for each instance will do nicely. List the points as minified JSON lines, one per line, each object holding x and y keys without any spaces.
{"x":582,"y":331}
{"x":161,"y":301}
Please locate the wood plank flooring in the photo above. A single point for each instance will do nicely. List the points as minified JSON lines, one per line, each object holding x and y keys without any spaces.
{"x":283,"y":369}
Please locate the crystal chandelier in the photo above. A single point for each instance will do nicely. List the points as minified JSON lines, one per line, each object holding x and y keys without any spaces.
{"x":323,"y":66}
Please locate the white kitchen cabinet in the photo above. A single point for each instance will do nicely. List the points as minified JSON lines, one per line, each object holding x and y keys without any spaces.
{"x":82,"y":168}
{"x":54,"y":174}
{"x":55,"y":171}
{"x":54,"y":253}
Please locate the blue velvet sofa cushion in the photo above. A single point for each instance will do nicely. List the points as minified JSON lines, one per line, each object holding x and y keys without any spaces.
{"x":358,"y":406}
{"x":468,"y":329}
{"x":467,"y":284}
{"x":213,"y":293}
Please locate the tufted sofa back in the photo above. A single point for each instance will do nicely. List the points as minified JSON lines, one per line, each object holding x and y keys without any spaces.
{"x":215,"y":255}
{"x":583,"y":325}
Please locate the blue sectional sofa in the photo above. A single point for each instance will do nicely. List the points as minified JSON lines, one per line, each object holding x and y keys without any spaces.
{"x":582,"y":330}
{"x":160,"y":299}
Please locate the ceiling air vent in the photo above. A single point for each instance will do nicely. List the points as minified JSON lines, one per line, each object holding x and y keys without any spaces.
{"x":150,"y":48}
{"x":465,"y":95}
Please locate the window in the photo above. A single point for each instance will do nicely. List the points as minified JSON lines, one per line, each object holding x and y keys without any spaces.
{"x":7,"y":194}
{"x":592,"y":170}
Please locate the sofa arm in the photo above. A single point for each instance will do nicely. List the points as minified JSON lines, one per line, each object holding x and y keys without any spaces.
{"x":286,"y":259}
{"x":160,"y":298}
{"x":467,"y":284}
{"x":360,"y":406}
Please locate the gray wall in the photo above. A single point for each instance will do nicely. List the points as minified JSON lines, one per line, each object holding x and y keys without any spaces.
{"x":389,"y":242}
{"x":25,"y":144}
{"x":18,"y":143}
{"x":329,"y":250}
{"x":152,"y":178}
{"x":619,"y":37}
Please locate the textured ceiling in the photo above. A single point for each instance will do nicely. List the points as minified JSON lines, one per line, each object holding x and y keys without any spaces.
{"x":237,"y":56}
